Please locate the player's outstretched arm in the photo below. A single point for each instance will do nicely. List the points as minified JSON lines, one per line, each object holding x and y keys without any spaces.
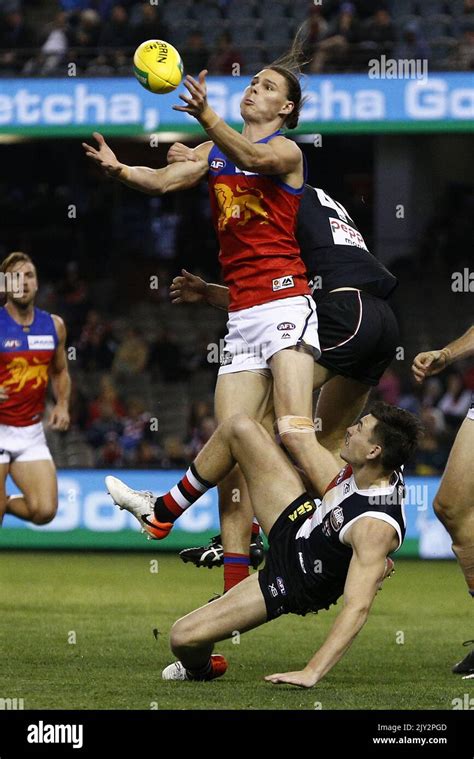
{"x":428,"y":363}
{"x":189,"y":288}
{"x":175,"y":176}
{"x":60,"y":379}
{"x":371,"y":541}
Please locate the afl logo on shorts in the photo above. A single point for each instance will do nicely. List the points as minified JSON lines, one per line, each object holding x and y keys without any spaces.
{"x":217,"y":164}
{"x":281,"y":586}
{"x":285,"y":326}
{"x":337,"y":518}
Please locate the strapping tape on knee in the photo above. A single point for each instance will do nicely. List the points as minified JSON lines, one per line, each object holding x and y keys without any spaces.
{"x":287,"y":424}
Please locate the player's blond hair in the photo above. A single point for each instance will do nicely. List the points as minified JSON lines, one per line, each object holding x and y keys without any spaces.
{"x":17,"y":256}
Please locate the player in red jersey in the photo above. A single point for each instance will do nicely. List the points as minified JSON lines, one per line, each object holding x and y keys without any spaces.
{"x":31,"y":351}
{"x":256,"y":179}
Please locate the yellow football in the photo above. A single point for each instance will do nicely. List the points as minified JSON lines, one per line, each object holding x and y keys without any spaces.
{"x":158,"y":66}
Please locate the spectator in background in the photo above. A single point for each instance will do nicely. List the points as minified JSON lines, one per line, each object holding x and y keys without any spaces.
{"x":132,"y":354}
{"x":412,"y":45}
{"x":201,"y":435}
{"x":136,"y":426}
{"x":116,"y":38}
{"x":147,"y":455}
{"x":84,"y":36}
{"x":110,"y":454}
{"x":317,"y":28}
{"x":456,"y":401}
{"x":432,"y":391}
{"x":107,"y":394}
{"x":53,"y":50}
{"x":15,"y":35}
{"x":334,"y":49}
{"x":150,"y":26}
{"x":225,"y":56}
{"x":96,"y":345}
{"x":388,"y":388}
{"x":194,"y":54}
{"x":105,"y":427}
{"x":462,"y":57}
{"x":166,"y":356}
{"x":379,"y":32}
{"x":174,"y":453}
{"x":73,"y":300}
{"x":432,"y":452}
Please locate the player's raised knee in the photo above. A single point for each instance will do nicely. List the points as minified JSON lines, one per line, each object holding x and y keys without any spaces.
{"x":241,"y":426}
{"x":43,"y":513}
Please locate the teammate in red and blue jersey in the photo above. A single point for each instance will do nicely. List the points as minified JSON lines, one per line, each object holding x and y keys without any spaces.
{"x":256,"y":179}
{"x":32,"y":351}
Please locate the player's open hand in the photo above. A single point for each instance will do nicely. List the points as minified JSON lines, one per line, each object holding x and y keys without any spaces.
{"x":3,"y":394}
{"x":103,"y":156}
{"x":302,"y":679}
{"x":188,"y":288}
{"x":429,"y":363}
{"x":179,"y":152}
{"x":59,"y":419}
{"x":197,"y":103}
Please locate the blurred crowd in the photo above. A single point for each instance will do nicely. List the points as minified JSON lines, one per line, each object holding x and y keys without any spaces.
{"x":99,"y":36}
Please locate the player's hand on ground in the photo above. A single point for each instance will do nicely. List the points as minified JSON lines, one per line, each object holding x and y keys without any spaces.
{"x":303,"y":679}
{"x":59,"y":419}
{"x":3,"y":394}
{"x":428,"y":363}
{"x":197,"y":88}
{"x":188,"y":288}
{"x":179,"y":152}
{"x":103,"y":156}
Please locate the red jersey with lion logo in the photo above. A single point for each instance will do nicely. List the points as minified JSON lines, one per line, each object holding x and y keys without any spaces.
{"x":25,"y":356}
{"x":255,"y":219}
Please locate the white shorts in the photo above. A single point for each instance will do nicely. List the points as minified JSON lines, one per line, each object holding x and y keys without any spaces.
{"x":255,"y":334}
{"x":23,"y":443}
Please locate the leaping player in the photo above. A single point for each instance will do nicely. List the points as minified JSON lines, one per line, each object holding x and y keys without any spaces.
{"x":32,"y":351}
{"x":256,"y":180}
{"x":454,"y":501}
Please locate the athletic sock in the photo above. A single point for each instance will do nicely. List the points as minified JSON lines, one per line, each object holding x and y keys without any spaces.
{"x":255,"y":530}
{"x":171,"y":505}
{"x":236,"y":569}
{"x":200,"y":673}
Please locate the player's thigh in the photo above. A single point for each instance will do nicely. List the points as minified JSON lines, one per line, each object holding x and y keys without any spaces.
{"x":240,"y":609}
{"x":242,"y":393}
{"x":292,"y":372}
{"x":37,"y":481}
{"x":455,"y":496}
{"x":340,"y":402}
{"x":273,"y":483}
{"x":3,"y":493}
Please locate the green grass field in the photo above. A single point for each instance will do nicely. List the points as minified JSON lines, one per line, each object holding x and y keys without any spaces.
{"x":110,"y":604}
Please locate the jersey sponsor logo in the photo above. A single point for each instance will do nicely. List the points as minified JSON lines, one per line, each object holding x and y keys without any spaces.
{"x":285,"y":326}
{"x":281,"y":586}
{"x":22,"y":372}
{"x":241,"y":207}
{"x":226,"y":358}
{"x":217,"y":164}
{"x":305,"y":508}
{"x":336,"y":518}
{"x":286,"y":336}
{"x":11,"y":343}
{"x":343,"y":234}
{"x":40,"y":342}
{"x":282,"y":283}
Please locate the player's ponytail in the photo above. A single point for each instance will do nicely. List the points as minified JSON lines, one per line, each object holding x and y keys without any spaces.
{"x":289,"y":65}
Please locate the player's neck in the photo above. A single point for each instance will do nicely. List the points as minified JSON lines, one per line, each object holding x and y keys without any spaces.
{"x":22,"y":315}
{"x":366,"y":478}
{"x":255,"y":132}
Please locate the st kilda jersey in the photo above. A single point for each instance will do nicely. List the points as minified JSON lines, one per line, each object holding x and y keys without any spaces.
{"x":333,"y":249}
{"x":323,"y":556}
{"x":255,"y":219}
{"x":25,"y":356}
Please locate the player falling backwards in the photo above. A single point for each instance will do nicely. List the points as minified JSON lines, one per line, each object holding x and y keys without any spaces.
{"x":358,"y":333}
{"x":256,"y":181}
{"x":316,"y":554}
{"x":454,"y":501}
{"x":32,"y":351}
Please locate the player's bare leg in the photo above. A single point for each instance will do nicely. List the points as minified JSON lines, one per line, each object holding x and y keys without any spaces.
{"x":454,"y":501}
{"x":341,"y":401}
{"x":293,"y":378}
{"x":3,"y":494}
{"x":38,"y":484}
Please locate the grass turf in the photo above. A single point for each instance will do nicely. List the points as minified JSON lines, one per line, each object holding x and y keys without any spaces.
{"x":110,"y":603}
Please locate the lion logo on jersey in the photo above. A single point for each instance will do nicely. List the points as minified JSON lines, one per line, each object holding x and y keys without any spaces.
{"x":22,"y":372}
{"x":242,"y":207}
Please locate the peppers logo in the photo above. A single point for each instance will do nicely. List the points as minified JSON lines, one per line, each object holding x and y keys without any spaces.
{"x":243,"y":207}
{"x":22,"y":372}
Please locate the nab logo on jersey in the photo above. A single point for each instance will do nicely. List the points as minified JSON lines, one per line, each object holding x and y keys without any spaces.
{"x":11,"y":343}
{"x":217,"y":164}
{"x":337,"y":518}
{"x":282,"y":283}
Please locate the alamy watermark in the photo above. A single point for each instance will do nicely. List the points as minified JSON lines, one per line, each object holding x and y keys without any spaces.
{"x":398,"y":68}
{"x":12,"y":282}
